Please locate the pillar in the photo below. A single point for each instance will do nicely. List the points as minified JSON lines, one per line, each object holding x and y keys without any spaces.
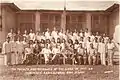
{"x":4,"y":32}
{"x":63,"y":21}
{"x":88,"y":21}
{"x":37,"y":21}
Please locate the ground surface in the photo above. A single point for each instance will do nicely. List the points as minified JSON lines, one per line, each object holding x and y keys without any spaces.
{"x":59,"y":72}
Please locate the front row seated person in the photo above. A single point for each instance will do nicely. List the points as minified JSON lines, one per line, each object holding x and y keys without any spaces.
{"x":92,"y":55}
{"x":28,"y":52}
{"x":56,"y":55}
{"x":46,"y":52}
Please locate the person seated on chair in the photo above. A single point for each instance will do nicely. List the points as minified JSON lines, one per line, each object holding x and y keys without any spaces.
{"x":76,"y":45}
{"x":28,"y":52}
{"x":36,"y":50}
{"x":91,"y":55}
{"x":46,"y":52}
{"x":56,"y":54}
{"x":70,"y":51}
{"x":80,"y":52}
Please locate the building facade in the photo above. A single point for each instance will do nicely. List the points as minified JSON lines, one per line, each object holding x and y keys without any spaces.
{"x":13,"y":17}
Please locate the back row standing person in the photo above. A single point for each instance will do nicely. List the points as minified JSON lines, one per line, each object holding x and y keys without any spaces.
{"x":47,"y":34}
{"x":11,"y":34}
{"x":31,"y":35}
{"x":102,"y":51}
{"x":110,"y":51}
{"x":6,"y":50}
{"x":54,"y":34}
{"x":13,"y":51}
{"x":25,"y":35}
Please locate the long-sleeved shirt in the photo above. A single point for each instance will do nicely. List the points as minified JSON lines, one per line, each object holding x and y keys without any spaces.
{"x":6,"y":47}
{"x":102,"y":47}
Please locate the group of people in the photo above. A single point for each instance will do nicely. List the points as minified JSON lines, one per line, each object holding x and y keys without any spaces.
{"x":58,"y":47}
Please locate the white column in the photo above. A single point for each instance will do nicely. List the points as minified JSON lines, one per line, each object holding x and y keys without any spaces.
{"x":88,"y":21}
{"x":37,"y":21}
{"x":63,"y":21}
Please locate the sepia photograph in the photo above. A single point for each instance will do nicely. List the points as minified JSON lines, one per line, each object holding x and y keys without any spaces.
{"x":59,"y":39}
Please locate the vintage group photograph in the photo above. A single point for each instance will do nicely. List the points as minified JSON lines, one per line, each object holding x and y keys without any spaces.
{"x":59,"y":39}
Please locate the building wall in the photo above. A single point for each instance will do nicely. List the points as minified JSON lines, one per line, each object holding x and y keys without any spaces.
{"x":8,"y":21}
{"x":25,"y":21}
{"x":22,"y":20}
{"x":74,"y":20}
{"x":113,"y":21}
{"x":99,"y":23}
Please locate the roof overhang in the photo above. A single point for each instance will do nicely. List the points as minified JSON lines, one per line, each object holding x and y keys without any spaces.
{"x":71,"y":5}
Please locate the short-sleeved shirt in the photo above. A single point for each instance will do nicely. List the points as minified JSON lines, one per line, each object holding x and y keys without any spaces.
{"x":110,"y":46}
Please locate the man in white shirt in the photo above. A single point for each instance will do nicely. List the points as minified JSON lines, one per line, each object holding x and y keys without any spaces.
{"x":61,"y":34}
{"x":47,"y":34}
{"x":37,"y":36}
{"x":87,"y":34}
{"x":54,"y":34}
{"x":13,"y":51}
{"x":11,"y":34}
{"x":102,"y":51}
{"x":105,"y":38}
{"x":91,"y":55}
{"x":6,"y":50}
{"x":87,"y":44}
{"x":56,"y":52}
{"x":81,"y":33}
{"x":42,"y":36}
{"x":31,"y":35}
{"x":46,"y":51}
{"x":110,"y":50}
{"x":75,"y":34}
